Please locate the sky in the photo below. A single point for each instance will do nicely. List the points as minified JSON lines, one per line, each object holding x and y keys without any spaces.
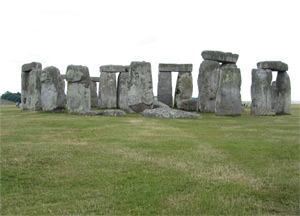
{"x":94,"y":33}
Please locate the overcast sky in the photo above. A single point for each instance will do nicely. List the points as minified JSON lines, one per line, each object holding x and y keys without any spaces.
{"x":95,"y":33}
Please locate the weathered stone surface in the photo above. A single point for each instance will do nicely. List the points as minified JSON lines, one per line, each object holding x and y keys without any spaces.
{"x":31,"y":66}
{"x":164,"y":88}
{"x":90,"y":113}
{"x":63,"y":76}
{"x":261,"y":92}
{"x":184,"y":87}
{"x":273,"y":65}
{"x":187,"y":105}
{"x":114,"y":68}
{"x":170,"y":113}
{"x":52,"y":90}
{"x":283,"y":93}
{"x":94,"y":96}
{"x":175,"y":67}
{"x":114,"y":113}
{"x":228,"y":98}
{"x":31,"y":86}
{"x":140,"y":87}
{"x":78,"y":93}
{"x":122,"y":91}
{"x":208,"y":81}
{"x":273,"y":96}
{"x":107,"y":91}
{"x":224,"y":57}
{"x":228,"y":65}
{"x":158,"y":104}
{"x":95,"y":79}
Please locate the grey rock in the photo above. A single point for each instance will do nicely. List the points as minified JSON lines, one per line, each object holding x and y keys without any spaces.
{"x":273,"y":65}
{"x":31,"y":86}
{"x":170,"y":113}
{"x":228,"y":99}
{"x":122,"y":91}
{"x":107,"y":91}
{"x":228,"y":65}
{"x":164,"y":88}
{"x":283,"y":93}
{"x":175,"y":67}
{"x":224,"y":57}
{"x":114,"y":68}
{"x":273,"y":96}
{"x":184,"y":87}
{"x":158,"y":104}
{"x":95,"y":79}
{"x":140,"y":87}
{"x":94,"y":96}
{"x":78,"y":93}
{"x":31,"y":66}
{"x":63,"y":76}
{"x":90,"y":113}
{"x":208,"y":81}
{"x":114,"y":113}
{"x":187,"y":105}
{"x":52,"y":90}
{"x":261,"y":92}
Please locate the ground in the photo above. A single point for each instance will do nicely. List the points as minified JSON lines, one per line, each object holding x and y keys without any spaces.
{"x":60,"y":164}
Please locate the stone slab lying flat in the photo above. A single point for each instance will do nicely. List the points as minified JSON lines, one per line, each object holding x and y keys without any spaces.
{"x":114,"y":68}
{"x":30,"y":66}
{"x":170,"y":113}
{"x":273,"y":65}
{"x":95,"y":79}
{"x":104,"y":113}
{"x":187,"y":105}
{"x":175,"y":67}
{"x":224,"y":57}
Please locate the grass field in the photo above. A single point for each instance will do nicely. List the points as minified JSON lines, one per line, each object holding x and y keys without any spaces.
{"x":60,"y":164}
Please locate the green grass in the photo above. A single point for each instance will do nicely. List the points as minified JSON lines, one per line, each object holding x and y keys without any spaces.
{"x":60,"y":164}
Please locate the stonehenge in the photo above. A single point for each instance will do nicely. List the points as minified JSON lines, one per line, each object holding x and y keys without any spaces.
{"x":270,"y":97}
{"x":31,"y":86}
{"x":78,"y":93}
{"x":52,"y":89}
{"x":219,"y":86}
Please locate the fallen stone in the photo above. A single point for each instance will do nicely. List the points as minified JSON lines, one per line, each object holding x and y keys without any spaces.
{"x":114,"y":113}
{"x":170,"y":113}
{"x":107,"y":91}
{"x":78,"y":93}
{"x":122,"y":91}
{"x":52,"y":90}
{"x":140,"y":88}
{"x":31,"y":86}
{"x":90,"y":113}
{"x":31,"y":66}
{"x":175,"y":67}
{"x":261,"y":92}
{"x":158,"y":104}
{"x":273,"y":96}
{"x":208,"y":81}
{"x":164,"y":88}
{"x":187,"y":105}
{"x":114,"y":68}
{"x":184,"y":87}
{"x":228,"y":98}
{"x":273,"y":65}
{"x":224,"y":57}
{"x":283,"y":85}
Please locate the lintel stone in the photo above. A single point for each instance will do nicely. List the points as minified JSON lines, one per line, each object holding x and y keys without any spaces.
{"x":175,"y":67}
{"x":114,"y":68}
{"x":95,"y":79}
{"x":224,"y":57}
{"x":273,"y":65}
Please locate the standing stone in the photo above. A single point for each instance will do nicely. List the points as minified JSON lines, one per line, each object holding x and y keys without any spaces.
{"x":283,"y":93}
{"x":140,"y":87}
{"x":228,"y":99}
{"x":122,"y":89}
{"x":208,"y":81}
{"x":184,"y":87}
{"x":107,"y":90}
{"x":261,"y":92}
{"x":94,"y":96}
{"x":31,"y":86}
{"x":273,"y":96}
{"x":164,"y":89}
{"x":79,"y":94}
{"x":52,"y":90}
